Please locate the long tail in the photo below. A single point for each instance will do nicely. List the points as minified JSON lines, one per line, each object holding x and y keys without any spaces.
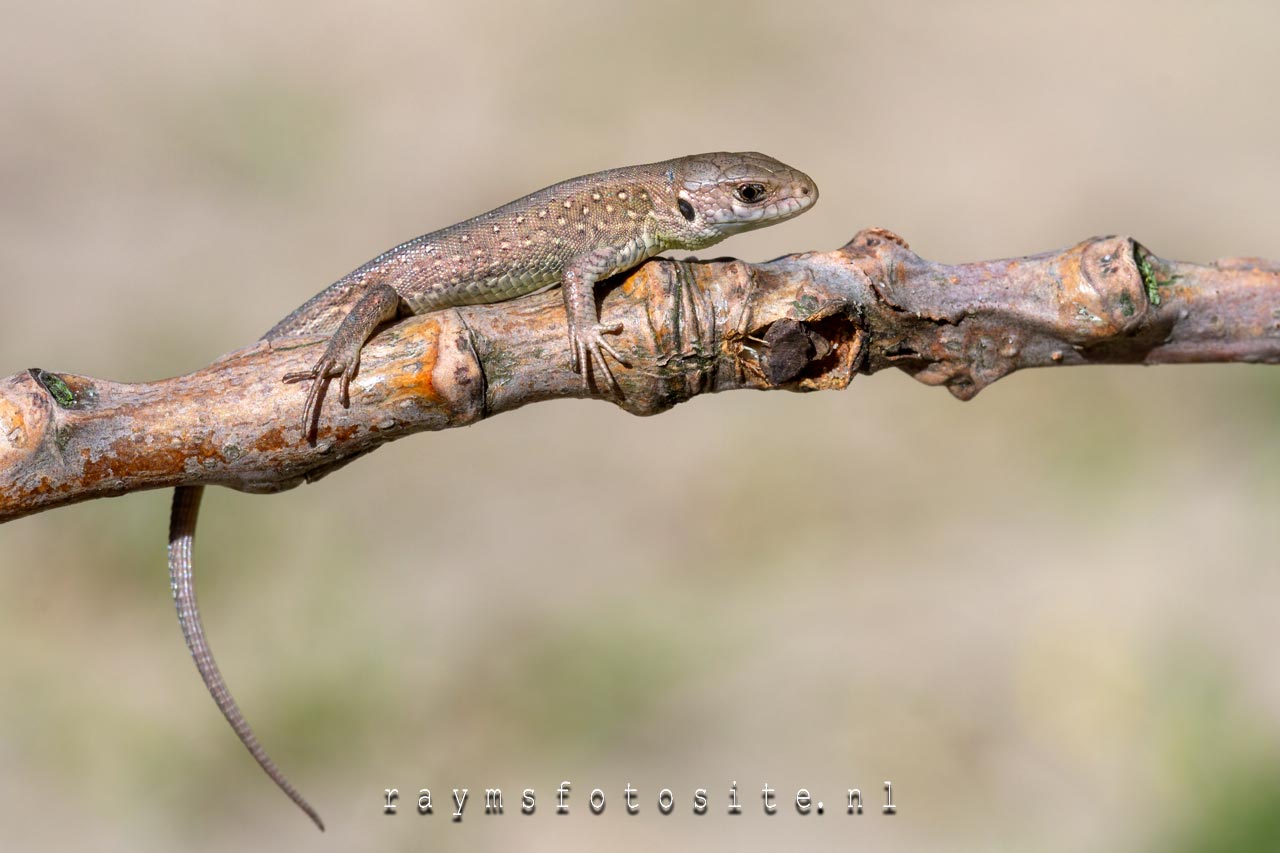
{"x":182,"y":532}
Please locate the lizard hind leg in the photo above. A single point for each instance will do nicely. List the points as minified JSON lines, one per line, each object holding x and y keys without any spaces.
{"x":341,"y":357}
{"x":182,"y":529}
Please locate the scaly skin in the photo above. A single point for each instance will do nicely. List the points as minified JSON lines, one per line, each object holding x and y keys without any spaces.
{"x":574,"y":234}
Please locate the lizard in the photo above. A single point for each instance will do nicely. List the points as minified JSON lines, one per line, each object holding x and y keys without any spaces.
{"x":574,"y":234}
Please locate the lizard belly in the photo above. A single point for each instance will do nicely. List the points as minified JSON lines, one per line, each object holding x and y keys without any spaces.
{"x":633,"y":252}
{"x":479,"y":291}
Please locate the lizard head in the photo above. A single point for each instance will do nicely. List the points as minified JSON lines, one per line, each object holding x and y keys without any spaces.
{"x":712,"y":196}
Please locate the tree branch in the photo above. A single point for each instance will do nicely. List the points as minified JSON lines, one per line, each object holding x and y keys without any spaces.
{"x":802,"y":322}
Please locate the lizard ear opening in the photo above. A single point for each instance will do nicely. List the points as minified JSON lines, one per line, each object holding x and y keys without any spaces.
{"x":686,"y":209}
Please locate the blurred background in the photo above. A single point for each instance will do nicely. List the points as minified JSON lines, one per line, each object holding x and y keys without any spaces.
{"x":1048,"y":616}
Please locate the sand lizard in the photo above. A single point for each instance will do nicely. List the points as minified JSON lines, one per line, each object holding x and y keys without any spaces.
{"x":573,"y":233}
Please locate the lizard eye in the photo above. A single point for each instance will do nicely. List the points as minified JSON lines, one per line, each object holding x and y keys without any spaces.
{"x":686,"y":209}
{"x":750,"y":193}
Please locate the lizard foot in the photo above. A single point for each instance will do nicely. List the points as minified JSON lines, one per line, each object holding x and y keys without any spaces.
{"x":334,"y":364}
{"x":586,"y":355}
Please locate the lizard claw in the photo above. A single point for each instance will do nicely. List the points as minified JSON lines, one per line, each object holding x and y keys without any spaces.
{"x":586,"y":355}
{"x":329,"y":367}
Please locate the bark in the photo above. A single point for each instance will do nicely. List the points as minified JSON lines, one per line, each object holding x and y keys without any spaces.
{"x":803,"y":322}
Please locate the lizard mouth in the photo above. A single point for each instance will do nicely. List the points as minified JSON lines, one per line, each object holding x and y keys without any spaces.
{"x":798,"y":196}
{"x":801,"y":199}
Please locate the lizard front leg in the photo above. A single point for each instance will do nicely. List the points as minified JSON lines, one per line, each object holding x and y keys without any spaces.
{"x":341,"y":356}
{"x":587,"y":345}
